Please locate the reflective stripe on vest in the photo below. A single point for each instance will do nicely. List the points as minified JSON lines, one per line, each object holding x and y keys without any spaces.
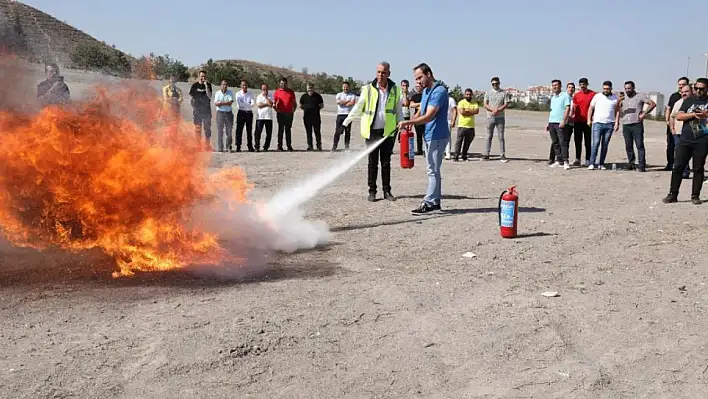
{"x":367,"y":117}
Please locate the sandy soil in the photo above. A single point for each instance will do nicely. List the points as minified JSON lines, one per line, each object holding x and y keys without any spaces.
{"x":391,"y":309}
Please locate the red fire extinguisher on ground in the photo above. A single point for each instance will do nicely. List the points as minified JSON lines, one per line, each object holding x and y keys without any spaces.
{"x":509,"y":212}
{"x":407,"y":146}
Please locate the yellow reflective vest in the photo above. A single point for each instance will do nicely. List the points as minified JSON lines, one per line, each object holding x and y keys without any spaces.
{"x":370,"y":99}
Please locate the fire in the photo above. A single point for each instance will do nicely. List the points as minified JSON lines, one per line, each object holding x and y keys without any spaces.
{"x":114,"y":173}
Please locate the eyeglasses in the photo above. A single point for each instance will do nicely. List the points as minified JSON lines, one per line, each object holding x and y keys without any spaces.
{"x":702,"y":88}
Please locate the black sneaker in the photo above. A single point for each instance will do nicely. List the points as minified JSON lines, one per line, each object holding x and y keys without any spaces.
{"x":642,"y":169}
{"x":696,"y":201}
{"x":389,"y":196}
{"x":423,"y":209}
{"x":372,"y":197}
{"x":669,"y":199}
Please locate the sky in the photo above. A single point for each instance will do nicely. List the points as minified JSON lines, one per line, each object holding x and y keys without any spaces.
{"x":465,"y":42}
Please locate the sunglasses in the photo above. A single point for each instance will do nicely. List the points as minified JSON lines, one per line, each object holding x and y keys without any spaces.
{"x":699,"y":88}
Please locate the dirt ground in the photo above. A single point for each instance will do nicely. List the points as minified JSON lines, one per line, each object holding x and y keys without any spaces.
{"x":391,"y":309}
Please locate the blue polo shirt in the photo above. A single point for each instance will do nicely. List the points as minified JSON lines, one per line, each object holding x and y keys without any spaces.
{"x":437,"y":128}
{"x":558,"y":104}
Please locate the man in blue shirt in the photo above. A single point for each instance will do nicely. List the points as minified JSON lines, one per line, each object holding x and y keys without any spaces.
{"x":560,"y":110}
{"x":433,"y":113}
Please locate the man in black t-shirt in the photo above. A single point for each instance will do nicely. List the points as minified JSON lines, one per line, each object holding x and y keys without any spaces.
{"x":670,"y":139}
{"x":53,"y":90}
{"x":311,"y":103}
{"x":201,"y":93}
{"x":693,"y":142}
{"x":414,"y":104}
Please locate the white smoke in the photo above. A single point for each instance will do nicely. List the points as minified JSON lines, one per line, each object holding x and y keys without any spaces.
{"x":252,"y":230}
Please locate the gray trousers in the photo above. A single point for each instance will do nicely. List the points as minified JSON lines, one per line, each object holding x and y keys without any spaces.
{"x":491,"y":124}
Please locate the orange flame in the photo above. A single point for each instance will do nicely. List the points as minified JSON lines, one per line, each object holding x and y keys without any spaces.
{"x":114,"y":173}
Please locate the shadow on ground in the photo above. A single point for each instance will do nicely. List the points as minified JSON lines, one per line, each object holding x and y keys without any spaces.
{"x":522,"y":209}
{"x":94,"y":269}
{"x":445,"y":197}
{"x":421,"y":219}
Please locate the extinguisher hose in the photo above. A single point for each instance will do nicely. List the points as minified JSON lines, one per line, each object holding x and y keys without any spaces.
{"x":499,"y":206}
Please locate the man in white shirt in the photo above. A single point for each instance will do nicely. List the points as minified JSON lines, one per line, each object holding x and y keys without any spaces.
{"x":686,"y":91}
{"x":603,"y":117}
{"x":345,"y":101}
{"x":223,"y":99}
{"x":264,"y":102}
{"x":244,"y":116}
{"x":451,"y":119}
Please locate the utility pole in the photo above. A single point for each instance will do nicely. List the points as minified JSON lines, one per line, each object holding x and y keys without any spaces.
{"x":706,"y":55}
{"x":688,"y":65}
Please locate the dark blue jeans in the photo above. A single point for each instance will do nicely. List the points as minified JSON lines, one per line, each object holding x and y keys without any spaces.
{"x":634,"y":133}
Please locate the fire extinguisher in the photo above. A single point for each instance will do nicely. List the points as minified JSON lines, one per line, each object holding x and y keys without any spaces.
{"x":407,"y":148}
{"x":509,"y":212}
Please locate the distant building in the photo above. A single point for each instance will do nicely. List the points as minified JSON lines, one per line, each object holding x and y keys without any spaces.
{"x":658,"y":98}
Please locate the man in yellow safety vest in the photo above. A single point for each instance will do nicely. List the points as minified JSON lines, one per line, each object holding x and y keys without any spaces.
{"x":380,"y":108}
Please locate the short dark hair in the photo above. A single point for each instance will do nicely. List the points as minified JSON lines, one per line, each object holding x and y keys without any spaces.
{"x":583,"y":80}
{"x":224,"y":80}
{"x":425,"y":68}
{"x":406,"y":82}
{"x":201,"y":72}
{"x":346,"y":82}
{"x":284,"y":79}
{"x":702,"y":80}
{"x":556,"y":81}
{"x":607,"y":83}
{"x":684,"y":78}
{"x":495,"y":79}
{"x":468,"y":89}
{"x":629,"y":82}
{"x":53,"y":66}
{"x":570,"y":84}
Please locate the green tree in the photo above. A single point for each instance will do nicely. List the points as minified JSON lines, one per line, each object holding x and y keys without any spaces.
{"x":97,"y":57}
{"x":456,"y":93}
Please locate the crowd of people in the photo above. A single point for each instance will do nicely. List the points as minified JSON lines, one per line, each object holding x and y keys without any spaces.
{"x":586,"y":117}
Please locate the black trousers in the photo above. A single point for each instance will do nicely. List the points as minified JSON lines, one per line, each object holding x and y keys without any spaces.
{"x":419,"y":133}
{"x":339,"y":129}
{"x":582,"y":131}
{"x":268,"y":125}
{"x":465,"y":135}
{"x":560,"y":141}
{"x":244,"y":118}
{"x":684,"y":152}
{"x":285,"y":125}
{"x":202,"y":117}
{"x":670,"y":147}
{"x":382,"y":154}
{"x":224,"y":127}
{"x":634,"y":133}
{"x":313,"y":124}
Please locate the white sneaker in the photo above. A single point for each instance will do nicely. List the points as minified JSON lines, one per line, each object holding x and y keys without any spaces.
{"x":591,"y":167}
{"x":566,"y":166}
{"x":602,"y":167}
{"x":556,"y":164}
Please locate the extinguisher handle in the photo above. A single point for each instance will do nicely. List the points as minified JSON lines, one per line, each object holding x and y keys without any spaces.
{"x":499,"y":206}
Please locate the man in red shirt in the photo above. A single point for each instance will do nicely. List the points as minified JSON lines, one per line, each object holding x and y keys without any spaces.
{"x":285,"y":105}
{"x":581,"y":129}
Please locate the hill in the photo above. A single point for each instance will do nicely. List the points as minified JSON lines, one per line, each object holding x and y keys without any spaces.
{"x":39,"y":37}
{"x":255,"y":73}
